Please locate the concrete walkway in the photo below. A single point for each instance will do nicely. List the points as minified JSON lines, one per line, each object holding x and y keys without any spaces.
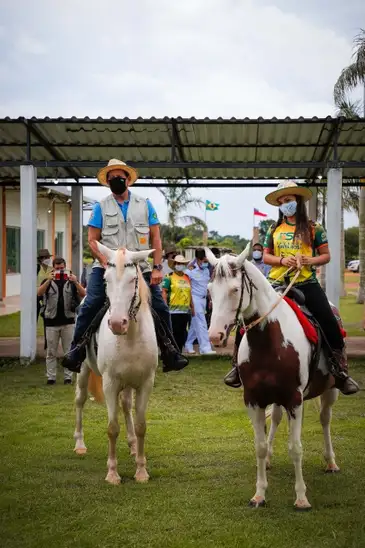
{"x":10,"y":348}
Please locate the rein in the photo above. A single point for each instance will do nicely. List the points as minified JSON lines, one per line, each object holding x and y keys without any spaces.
{"x":136,"y":300}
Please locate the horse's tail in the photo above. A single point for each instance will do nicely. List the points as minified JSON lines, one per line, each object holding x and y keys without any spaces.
{"x":95,"y":387}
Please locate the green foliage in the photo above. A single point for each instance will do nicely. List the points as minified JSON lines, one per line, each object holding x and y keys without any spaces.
{"x":264,"y":226}
{"x":87,"y":252}
{"x":352,"y":243}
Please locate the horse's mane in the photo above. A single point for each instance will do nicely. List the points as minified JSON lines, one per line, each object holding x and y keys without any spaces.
{"x":144,"y":292}
{"x":225,"y":268}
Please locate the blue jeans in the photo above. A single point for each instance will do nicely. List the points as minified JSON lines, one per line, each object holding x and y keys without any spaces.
{"x":95,"y":299}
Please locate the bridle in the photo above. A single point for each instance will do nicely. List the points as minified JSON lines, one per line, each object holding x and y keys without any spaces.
{"x":246,"y":283}
{"x":136,"y":299}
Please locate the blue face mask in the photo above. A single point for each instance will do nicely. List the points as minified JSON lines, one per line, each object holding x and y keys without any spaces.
{"x":289,"y":209}
{"x":205,"y":266}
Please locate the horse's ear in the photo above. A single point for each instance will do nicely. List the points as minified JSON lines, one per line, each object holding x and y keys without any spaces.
{"x":138,"y":256}
{"x":243,"y":256}
{"x":212,"y":259}
{"x":108,"y":253}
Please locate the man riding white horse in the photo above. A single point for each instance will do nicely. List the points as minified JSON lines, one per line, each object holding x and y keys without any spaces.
{"x":123,"y":220}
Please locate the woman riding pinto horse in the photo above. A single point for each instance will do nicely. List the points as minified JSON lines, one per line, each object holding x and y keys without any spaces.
{"x":292,"y":236}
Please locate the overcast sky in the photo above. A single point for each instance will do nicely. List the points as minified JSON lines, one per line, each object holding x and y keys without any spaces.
{"x":168,"y":58}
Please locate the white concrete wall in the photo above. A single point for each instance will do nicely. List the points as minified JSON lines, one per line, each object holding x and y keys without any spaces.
{"x":44,"y":222}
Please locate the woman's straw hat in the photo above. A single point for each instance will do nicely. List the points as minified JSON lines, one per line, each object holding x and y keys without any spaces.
{"x":286,"y":188}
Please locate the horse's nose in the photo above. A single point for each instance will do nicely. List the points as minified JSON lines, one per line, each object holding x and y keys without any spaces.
{"x":118,"y":327}
{"x":216,"y":337}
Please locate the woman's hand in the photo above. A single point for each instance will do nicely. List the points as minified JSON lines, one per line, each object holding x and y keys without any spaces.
{"x":306,"y":260}
{"x":289,"y":262}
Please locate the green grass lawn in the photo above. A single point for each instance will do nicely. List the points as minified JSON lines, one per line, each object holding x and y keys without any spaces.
{"x":10,"y":325}
{"x":202,"y":465}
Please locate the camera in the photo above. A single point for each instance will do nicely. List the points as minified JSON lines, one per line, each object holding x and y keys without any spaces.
{"x":61,"y":275}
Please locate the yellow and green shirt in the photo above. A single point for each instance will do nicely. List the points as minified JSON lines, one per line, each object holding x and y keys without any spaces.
{"x":285,"y":246}
{"x":178,"y":292}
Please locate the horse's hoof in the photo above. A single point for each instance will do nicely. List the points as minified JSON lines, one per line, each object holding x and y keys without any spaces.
{"x":81,"y":451}
{"x":141,"y":476}
{"x":113,"y":478}
{"x":302,"y":506}
{"x":332,"y":469}
{"x":257,"y":503}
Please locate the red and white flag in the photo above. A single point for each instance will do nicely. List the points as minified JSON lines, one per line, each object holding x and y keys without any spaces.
{"x":258,"y":213}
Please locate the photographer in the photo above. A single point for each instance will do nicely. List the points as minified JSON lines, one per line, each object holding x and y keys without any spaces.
{"x":61,"y":293}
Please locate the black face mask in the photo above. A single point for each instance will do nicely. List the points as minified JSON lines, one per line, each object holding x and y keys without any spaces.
{"x":118,"y":185}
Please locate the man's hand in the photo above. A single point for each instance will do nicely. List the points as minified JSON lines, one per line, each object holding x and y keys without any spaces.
{"x":50,"y":276}
{"x":156,"y":277}
{"x":72,"y":278}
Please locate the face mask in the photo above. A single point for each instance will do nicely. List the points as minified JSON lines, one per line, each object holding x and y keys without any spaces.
{"x":118,"y":185}
{"x":289,"y":209}
{"x":47,"y":262}
{"x":180,"y":268}
{"x":205,"y":266}
{"x":257,"y":255}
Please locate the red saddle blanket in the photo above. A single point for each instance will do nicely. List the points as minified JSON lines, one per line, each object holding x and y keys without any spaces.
{"x":309,"y":329}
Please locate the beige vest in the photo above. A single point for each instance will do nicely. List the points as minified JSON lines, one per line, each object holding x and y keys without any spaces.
{"x":133,"y":234}
{"x":50,"y":299}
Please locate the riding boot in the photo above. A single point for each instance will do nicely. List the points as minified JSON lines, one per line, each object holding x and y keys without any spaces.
{"x":232,"y":378}
{"x":171,"y":357}
{"x":77,"y":354}
{"x":339,"y":366}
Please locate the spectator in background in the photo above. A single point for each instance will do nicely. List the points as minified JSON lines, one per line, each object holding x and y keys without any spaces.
{"x":258,"y":261}
{"x":176,"y":291}
{"x":44,"y":268}
{"x":61,"y":294}
{"x":199,"y":278}
{"x":167,"y":262}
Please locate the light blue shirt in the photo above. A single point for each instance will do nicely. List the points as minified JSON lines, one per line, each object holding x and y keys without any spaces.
{"x":96,"y":217}
{"x":265,"y":268}
{"x":199,"y":278}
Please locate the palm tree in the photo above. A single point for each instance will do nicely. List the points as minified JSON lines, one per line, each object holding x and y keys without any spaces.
{"x":178,"y":199}
{"x":351,"y":77}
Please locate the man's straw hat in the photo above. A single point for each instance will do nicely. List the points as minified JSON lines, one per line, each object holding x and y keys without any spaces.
{"x":117,"y":164}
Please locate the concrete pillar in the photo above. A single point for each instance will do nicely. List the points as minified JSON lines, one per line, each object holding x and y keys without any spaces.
{"x":77,"y":214}
{"x":312,"y":205}
{"x":28,"y":262}
{"x":2,"y":242}
{"x":334,"y":201}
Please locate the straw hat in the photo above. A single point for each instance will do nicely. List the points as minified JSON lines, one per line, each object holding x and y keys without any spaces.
{"x":286,"y":188}
{"x":117,"y":164}
{"x":180,"y":259}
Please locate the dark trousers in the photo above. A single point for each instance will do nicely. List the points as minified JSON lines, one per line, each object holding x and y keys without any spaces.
{"x":317,"y":303}
{"x":95,"y":298}
{"x":179,"y":328}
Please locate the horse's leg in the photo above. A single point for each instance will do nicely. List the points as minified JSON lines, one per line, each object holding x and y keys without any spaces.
{"x":276,"y":416}
{"x":111,"y":392}
{"x":142,"y":397}
{"x":328,"y":398}
{"x":127,"y":397}
{"x":257,"y":417}
{"x":80,"y":399}
{"x":296,"y":453}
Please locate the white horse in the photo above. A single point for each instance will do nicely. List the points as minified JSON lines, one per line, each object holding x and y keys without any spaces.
{"x":273,"y":360}
{"x":126,"y":360}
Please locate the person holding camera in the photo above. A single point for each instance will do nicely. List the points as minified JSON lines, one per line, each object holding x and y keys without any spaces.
{"x":61,"y":294}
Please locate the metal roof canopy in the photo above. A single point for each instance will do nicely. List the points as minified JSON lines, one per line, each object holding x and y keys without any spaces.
{"x":180,"y":148}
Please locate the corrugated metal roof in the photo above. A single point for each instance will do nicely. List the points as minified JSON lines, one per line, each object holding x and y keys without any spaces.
{"x":178,"y":147}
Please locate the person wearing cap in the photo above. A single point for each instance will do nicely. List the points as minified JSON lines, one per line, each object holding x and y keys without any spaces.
{"x":176,"y":291}
{"x":168,"y":259}
{"x":295,"y":239}
{"x":44,"y":268}
{"x":123,"y":220}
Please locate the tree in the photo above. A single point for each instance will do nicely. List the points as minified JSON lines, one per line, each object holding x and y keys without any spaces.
{"x":351,"y":77}
{"x":178,"y":199}
{"x":351,"y":243}
{"x":264,"y":227}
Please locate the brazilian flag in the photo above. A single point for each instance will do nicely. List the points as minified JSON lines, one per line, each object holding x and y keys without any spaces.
{"x":211,"y":206}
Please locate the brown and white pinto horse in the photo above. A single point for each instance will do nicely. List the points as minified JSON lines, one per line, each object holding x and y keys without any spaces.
{"x":273,"y":361}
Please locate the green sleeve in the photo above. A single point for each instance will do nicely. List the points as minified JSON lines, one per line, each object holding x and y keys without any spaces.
{"x":320,"y":236}
{"x":166,"y":283}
